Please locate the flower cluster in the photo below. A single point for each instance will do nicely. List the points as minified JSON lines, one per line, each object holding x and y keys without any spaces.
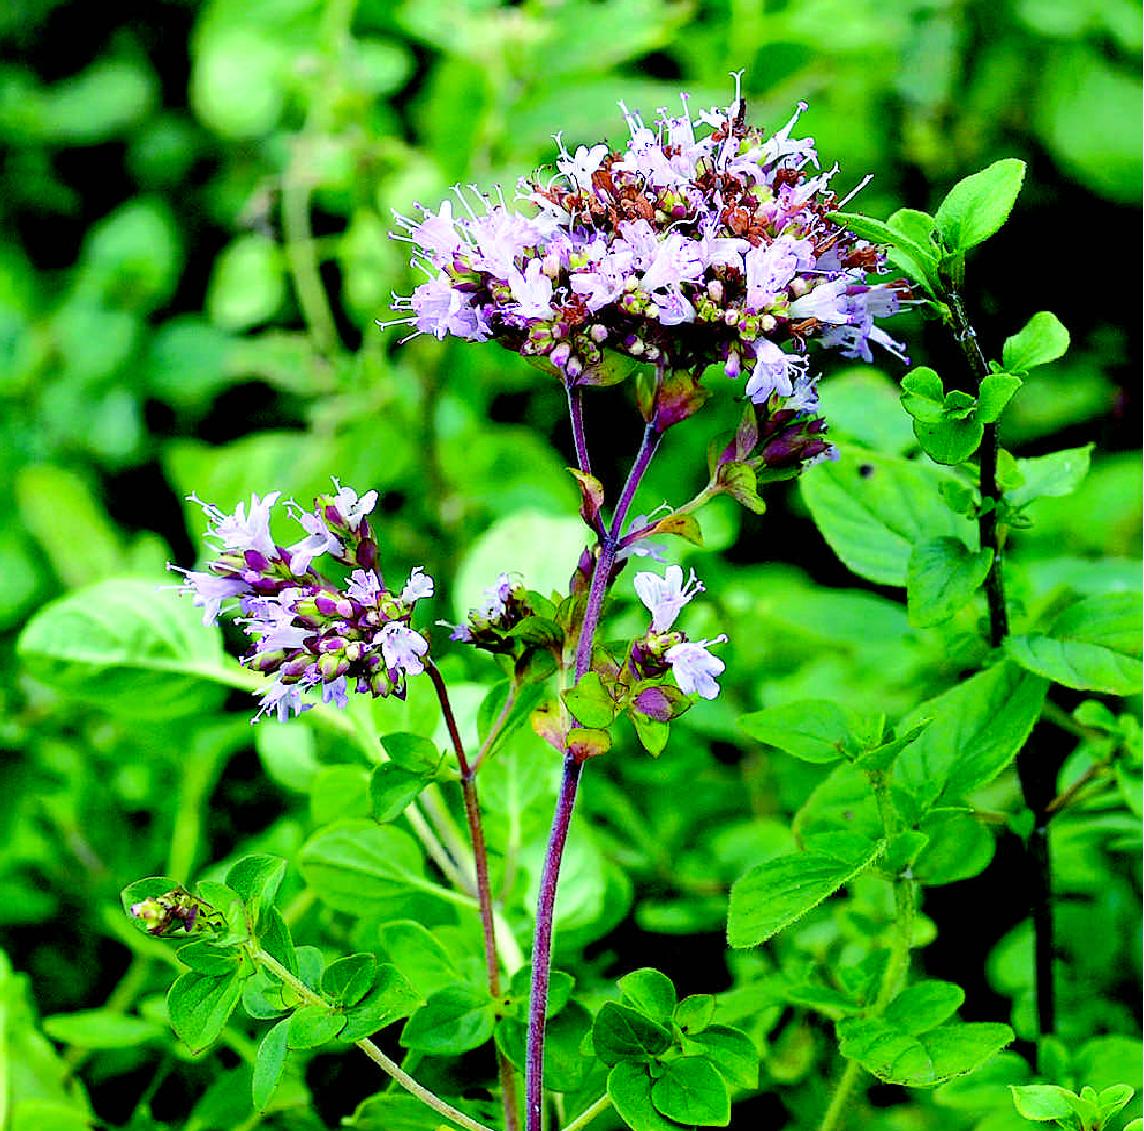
{"x":691,"y":663}
{"x":313,"y":634}
{"x":703,"y":241}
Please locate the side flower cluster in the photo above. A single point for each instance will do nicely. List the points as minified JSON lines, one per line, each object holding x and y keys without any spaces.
{"x":663,"y":648}
{"x":703,"y":241}
{"x":317,"y":637}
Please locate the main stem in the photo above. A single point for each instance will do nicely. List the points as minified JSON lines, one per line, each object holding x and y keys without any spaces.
{"x":484,"y":887}
{"x":1036,"y":792}
{"x":570,"y":778}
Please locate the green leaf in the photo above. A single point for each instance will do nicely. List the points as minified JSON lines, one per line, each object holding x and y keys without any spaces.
{"x":949,"y":442}
{"x":629,"y":1089}
{"x":268,"y":1065}
{"x":1043,"y":1102}
{"x":778,"y":892}
{"x":451,"y":1022}
{"x":584,"y":743}
{"x":1055,"y":475}
{"x":651,"y":992}
{"x":313,"y":1025}
{"x":390,"y":999}
{"x":248,"y":284}
{"x":207,"y":958}
{"x":923,"y":1060}
{"x":1115,"y":1098}
{"x":358,"y":867}
{"x":200,"y":1005}
{"x":347,"y":980}
{"x":623,"y":1033}
{"x":694,"y":1013}
{"x":127,"y":649}
{"x":995,"y":393}
{"x":915,"y":257}
{"x":1042,"y":339}
{"x":872,"y":508}
{"x":731,"y":1051}
{"x":978,"y":205}
{"x":690,"y":1090}
{"x":256,"y":879}
{"x":565,"y":1066}
{"x":652,"y":733}
{"x":412,"y":752}
{"x":814,"y":730}
{"x":923,"y":394}
{"x":742,"y":484}
{"x":101,"y":1029}
{"x":392,"y":789}
{"x":419,"y":956}
{"x":1094,"y":645}
{"x":589,"y":702}
{"x":924,"y":1005}
{"x":942,"y":577}
{"x":975,"y":731}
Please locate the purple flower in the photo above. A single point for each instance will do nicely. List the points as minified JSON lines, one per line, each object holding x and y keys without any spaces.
{"x":665,"y":596}
{"x":702,"y":240}
{"x":365,"y":587}
{"x":402,"y":648}
{"x":319,"y":540}
{"x":281,"y":698}
{"x":694,"y":668}
{"x":209,"y":590}
{"x":240,"y":532}
{"x":351,"y":508}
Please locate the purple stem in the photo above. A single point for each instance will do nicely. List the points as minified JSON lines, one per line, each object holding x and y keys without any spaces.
{"x":576,"y":415}
{"x":542,"y":941}
{"x":542,"y":944}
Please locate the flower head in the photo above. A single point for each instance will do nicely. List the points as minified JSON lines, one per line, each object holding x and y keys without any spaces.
{"x":317,"y":637}
{"x":701,"y":240}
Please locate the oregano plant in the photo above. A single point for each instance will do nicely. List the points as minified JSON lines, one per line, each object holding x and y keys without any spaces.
{"x":438,"y":907}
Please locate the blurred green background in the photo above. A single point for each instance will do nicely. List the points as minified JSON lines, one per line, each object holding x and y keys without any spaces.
{"x":195,"y":200}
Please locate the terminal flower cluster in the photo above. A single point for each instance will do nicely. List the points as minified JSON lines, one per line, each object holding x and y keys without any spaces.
{"x":317,"y":637}
{"x":662,"y":648}
{"x":703,"y":241}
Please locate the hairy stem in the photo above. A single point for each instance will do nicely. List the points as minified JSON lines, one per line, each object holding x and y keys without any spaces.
{"x":390,"y":1067}
{"x":558,"y":836}
{"x":484,"y":888}
{"x":542,"y":944}
{"x":1030,"y":769}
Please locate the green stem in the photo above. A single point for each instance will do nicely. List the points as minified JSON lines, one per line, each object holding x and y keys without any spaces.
{"x":588,"y":1114}
{"x":390,"y":1067}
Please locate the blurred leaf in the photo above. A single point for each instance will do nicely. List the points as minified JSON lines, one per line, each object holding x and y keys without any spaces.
{"x":248,"y":284}
{"x":127,"y":648}
{"x":1079,"y":87}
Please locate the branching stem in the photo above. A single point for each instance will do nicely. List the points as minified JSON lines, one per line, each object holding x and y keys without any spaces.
{"x":390,"y":1067}
{"x":569,"y":783}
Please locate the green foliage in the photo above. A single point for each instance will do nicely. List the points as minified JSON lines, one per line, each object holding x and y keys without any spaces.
{"x":196,"y":204}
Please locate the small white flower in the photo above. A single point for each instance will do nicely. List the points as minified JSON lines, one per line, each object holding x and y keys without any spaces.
{"x":352,"y":508}
{"x":665,"y":596}
{"x":402,"y":647}
{"x":419,"y":586}
{"x":695,"y":668}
